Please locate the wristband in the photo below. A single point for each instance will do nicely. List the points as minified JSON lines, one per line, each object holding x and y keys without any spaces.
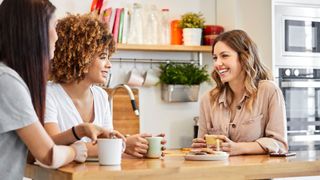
{"x":74,"y":133}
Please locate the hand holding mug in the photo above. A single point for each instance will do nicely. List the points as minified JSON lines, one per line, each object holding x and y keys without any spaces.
{"x":229,"y":146}
{"x":137,"y":145}
{"x":94,"y":131}
{"x":199,"y":143}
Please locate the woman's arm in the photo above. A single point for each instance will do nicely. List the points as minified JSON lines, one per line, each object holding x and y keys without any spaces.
{"x":42,"y":148}
{"x":238,"y":148}
{"x":82,"y":130}
{"x":275,"y":139}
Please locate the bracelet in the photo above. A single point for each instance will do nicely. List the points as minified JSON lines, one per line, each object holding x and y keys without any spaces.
{"x":74,"y":133}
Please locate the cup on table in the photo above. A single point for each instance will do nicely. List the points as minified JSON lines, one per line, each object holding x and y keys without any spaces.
{"x":135,"y":78}
{"x":110,"y":151}
{"x":155,"y":147}
{"x":151,"y":78}
{"x":212,"y":140}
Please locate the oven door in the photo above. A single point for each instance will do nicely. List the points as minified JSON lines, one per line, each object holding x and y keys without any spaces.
{"x":302,"y":99}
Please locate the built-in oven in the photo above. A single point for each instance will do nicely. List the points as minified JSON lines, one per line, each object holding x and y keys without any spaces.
{"x":301,"y":91}
{"x":297,"y":35}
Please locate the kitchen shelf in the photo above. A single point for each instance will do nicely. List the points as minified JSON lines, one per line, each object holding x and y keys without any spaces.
{"x":173,"y":48}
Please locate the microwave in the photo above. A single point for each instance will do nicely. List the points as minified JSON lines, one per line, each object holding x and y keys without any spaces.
{"x":301,"y":36}
{"x":296,"y":35}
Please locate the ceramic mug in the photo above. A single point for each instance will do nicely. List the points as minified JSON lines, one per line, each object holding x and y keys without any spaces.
{"x":151,"y":78}
{"x":155,"y":147}
{"x":110,"y":151}
{"x":212,"y":140}
{"x":135,"y":78}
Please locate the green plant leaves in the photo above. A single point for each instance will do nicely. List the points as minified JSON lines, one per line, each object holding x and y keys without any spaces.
{"x":186,"y":74}
{"x":192,"y":20}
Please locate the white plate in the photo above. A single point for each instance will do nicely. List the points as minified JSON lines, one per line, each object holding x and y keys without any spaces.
{"x":207,"y":157}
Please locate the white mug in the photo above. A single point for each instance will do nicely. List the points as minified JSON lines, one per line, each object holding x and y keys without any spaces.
{"x":135,"y":78}
{"x":110,"y":151}
{"x":151,"y":78}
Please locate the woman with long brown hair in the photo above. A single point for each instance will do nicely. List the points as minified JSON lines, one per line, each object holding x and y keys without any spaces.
{"x":27,"y":38}
{"x":246,"y":109}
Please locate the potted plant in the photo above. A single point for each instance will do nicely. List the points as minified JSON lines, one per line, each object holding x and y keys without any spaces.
{"x":192,"y":24}
{"x":181,"y":82}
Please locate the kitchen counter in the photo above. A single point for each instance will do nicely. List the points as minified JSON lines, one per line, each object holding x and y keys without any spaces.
{"x":174,"y":166}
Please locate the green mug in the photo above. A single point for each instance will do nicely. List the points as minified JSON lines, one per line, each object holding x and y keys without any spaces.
{"x":155,"y":147}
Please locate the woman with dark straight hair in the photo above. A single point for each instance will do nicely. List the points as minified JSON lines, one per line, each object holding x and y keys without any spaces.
{"x":27,"y":38}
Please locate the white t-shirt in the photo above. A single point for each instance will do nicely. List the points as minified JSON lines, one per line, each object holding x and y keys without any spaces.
{"x":61,"y":110}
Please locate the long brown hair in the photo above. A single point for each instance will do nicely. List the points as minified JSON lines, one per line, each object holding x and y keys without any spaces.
{"x":24,"y":44}
{"x":254,"y":69}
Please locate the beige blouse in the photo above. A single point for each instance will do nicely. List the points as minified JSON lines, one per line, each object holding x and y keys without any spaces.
{"x":265,"y":124}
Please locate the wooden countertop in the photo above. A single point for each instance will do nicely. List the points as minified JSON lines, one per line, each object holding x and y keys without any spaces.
{"x":173,"y":166}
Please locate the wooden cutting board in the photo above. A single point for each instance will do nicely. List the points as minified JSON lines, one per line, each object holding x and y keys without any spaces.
{"x":124,"y":119}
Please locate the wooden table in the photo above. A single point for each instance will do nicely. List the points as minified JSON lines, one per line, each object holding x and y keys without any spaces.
{"x":173,"y":166}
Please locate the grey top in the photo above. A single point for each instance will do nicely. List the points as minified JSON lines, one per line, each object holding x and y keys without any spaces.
{"x":16,"y":111}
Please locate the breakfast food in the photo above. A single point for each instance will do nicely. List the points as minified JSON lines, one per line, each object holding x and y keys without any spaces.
{"x":205,"y":151}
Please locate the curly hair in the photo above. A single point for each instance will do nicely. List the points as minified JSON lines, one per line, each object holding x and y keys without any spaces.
{"x":254,"y":69}
{"x":81,"y":38}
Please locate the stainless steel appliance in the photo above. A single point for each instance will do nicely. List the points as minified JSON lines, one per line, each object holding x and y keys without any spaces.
{"x":297,"y":35}
{"x":301,"y":90}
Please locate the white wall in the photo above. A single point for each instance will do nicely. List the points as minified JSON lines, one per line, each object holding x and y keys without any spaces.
{"x":252,"y":16}
{"x":175,"y":119}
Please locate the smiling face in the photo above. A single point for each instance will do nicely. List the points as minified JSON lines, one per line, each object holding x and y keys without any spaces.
{"x":99,"y":68}
{"x":227,"y":64}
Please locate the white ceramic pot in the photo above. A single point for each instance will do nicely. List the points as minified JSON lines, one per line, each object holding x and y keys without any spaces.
{"x":192,"y":36}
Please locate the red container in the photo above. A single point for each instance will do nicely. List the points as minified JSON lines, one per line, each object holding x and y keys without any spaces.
{"x":176,"y":33}
{"x":212,"y":29}
{"x":208,"y":39}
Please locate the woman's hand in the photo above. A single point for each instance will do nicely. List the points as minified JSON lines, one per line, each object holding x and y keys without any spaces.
{"x":199,"y":143}
{"x":137,"y":145}
{"x":163,"y":142}
{"x":228,"y":146}
{"x":94,"y":131}
{"x":81,"y":151}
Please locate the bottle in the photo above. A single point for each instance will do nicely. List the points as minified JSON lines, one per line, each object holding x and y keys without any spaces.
{"x":135,"y":35}
{"x":152,"y":27}
{"x":165,"y":27}
{"x":176,"y":33}
{"x":196,"y":127}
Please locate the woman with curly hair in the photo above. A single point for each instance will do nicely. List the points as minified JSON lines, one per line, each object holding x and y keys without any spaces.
{"x":246,"y":109}
{"x":76,"y":107}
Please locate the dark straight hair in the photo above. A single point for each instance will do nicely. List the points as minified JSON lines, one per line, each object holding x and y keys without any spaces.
{"x":24,"y":44}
